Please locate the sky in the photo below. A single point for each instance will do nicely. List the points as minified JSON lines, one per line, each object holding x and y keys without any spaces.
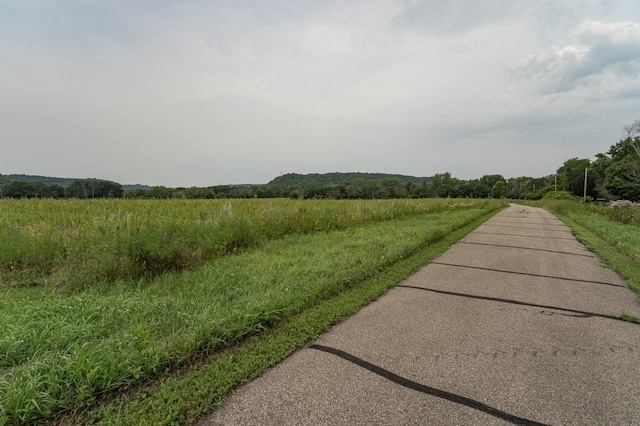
{"x":207,"y":92}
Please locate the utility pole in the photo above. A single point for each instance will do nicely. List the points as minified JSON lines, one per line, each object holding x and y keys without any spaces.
{"x":584,"y":198}
{"x":555,"y":185}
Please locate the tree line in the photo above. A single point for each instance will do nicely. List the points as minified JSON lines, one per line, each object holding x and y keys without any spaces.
{"x":441,"y":185}
{"x":613,"y":175}
{"x":79,"y":188}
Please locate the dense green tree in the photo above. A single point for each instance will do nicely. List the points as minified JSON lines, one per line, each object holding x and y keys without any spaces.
{"x":617,"y":172}
{"x":518,"y":187}
{"x":266,"y":191}
{"x":571,"y":177}
{"x":242,"y":192}
{"x":311,"y":190}
{"x":486,"y":184}
{"x":136,"y":193}
{"x":17,"y":189}
{"x":472,"y":189}
{"x":195,"y":192}
{"x":221,"y":191}
{"x":54,"y":191}
{"x":296,"y":193}
{"x":32,"y":189}
{"x":159,"y":192}
{"x":499,"y":189}
{"x":355,"y":189}
{"x":443,"y":185}
{"x":622,"y":149}
{"x":94,"y":188}
{"x":389,"y":188}
{"x":598,"y":170}
{"x":622,"y":179}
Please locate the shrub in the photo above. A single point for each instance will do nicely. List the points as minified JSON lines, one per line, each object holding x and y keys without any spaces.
{"x":558,"y":195}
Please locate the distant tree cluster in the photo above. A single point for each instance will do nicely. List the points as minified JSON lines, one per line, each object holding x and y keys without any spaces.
{"x":17,"y":189}
{"x":195,"y":192}
{"x":79,"y":188}
{"x":612,"y":175}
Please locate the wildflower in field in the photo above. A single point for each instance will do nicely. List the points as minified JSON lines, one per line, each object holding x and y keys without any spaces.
{"x":621,"y":203}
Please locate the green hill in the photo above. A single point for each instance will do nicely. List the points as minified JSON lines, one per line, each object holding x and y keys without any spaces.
{"x":48,"y":180}
{"x":333,"y":179}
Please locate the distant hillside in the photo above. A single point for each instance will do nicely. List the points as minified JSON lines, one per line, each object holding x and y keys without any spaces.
{"x":137,"y":186}
{"x":334,"y":179}
{"x":48,"y":180}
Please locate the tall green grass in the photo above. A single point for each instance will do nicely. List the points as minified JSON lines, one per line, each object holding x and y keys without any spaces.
{"x":608,"y":223}
{"x":615,"y":239}
{"x":60,"y":350}
{"x":627,"y":214}
{"x":73,"y":244}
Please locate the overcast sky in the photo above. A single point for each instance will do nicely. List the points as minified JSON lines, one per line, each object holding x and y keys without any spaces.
{"x":199,"y":93}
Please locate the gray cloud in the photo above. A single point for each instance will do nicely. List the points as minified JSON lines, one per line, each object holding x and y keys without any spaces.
{"x":450,"y":16}
{"x":202,"y":93}
{"x":598,"y":50}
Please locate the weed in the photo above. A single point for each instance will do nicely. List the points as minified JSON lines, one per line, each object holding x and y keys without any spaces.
{"x":629,"y":318}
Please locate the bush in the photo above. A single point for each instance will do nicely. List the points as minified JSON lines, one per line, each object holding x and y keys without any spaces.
{"x":558,"y":195}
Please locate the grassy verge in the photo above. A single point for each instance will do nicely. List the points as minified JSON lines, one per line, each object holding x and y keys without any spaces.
{"x":617,"y":244}
{"x":60,"y":352}
{"x":183,"y":399}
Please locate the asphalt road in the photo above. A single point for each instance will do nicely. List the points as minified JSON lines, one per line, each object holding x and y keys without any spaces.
{"x":516,"y":323}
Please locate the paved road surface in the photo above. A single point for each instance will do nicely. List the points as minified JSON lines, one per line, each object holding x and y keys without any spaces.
{"x":516,"y":323}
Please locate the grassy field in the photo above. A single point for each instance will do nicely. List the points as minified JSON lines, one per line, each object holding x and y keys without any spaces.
{"x":79,"y":243}
{"x":101,"y":297}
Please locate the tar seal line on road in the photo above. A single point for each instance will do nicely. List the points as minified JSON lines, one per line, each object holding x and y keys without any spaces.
{"x":402,"y":381}
{"x":583,"y":314}
{"x":528,"y":274}
{"x":526,"y":248}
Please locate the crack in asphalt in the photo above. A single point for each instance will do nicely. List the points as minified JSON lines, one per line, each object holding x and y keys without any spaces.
{"x":529,"y":274}
{"x":581,"y":314}
{"x":439,"y":393}
{"x":562,"y":225}
{"x":532,"y":214}
{"x":520,"y":235}
{"x":527,"y":218}
{"x":527,"y":248}
{"x":526,"y":227}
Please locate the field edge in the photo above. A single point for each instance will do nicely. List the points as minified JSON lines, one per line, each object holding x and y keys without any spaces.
{"x":611,"y":257}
